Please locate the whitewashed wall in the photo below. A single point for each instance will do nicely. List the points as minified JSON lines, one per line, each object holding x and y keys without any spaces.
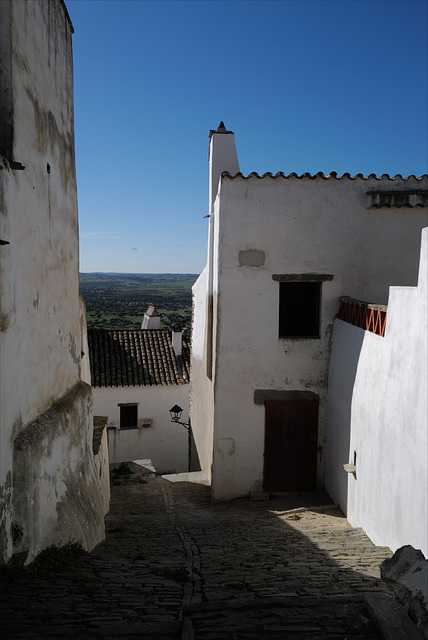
{"x":102,"y":467}
{"x":302,"y":225}
{"x":378,"y":409}
{"x":43,"y":252}
{"x":40,"y":332}
{"x":164,"y":442}
{"x":201,"y":389}
{"x":222,"y":157}
{"x":85,"y":365}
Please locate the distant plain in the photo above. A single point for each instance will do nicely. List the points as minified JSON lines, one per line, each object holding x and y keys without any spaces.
{"x":119,"y":300}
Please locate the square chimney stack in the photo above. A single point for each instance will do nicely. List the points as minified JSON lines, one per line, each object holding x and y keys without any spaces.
{"x":222,"y":157}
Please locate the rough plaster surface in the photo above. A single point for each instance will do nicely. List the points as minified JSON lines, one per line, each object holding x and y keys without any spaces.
{"x":39,"y":268}
{"x":407,"y":573}
{"x":378,"y":411}
{"x":303,"y":226}
{"x":251,"y":258}
{"x":56,"y":488}
{"x":6,"y":520}
{"x":40,"y":328}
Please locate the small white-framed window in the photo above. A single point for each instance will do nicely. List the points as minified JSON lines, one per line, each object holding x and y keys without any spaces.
{"x":128,"y":415}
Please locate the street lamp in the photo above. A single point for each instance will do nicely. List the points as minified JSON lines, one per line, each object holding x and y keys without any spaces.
{"x":176,"y":412}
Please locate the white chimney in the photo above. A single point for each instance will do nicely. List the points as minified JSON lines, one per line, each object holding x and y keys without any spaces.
{"x":177,"y":338}
{"x":151,"y":319}
{"x":222,"y":157}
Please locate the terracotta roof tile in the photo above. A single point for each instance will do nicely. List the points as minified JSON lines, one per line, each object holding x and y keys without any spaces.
{"x":320,"y":174}
{"x":128,"y":358}
{"x":397,"y":198}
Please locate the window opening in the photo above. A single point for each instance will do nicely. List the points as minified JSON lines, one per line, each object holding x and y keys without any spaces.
{"x":128,"y":416}
{"x":299,"y":309}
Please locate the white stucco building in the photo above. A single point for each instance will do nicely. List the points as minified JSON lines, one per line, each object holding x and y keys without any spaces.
{"x":282,"y":250}
{"x":51,"y":482}
{"x":137,"y":377}
{"x":378,"y":420}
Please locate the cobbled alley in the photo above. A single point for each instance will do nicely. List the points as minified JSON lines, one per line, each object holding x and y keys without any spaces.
{"x":173,"y":565}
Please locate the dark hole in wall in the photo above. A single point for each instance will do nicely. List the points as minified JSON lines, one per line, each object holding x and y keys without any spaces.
{"x":299,"y":309}
{"x":128,"y":416}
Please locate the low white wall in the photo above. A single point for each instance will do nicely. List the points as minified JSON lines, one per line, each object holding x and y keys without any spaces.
{"x":378,"y":409}
{"x":85,"y":366}
{"x":201,"y":388}
{"x":101,"y":461}
{"x":164,"y":442}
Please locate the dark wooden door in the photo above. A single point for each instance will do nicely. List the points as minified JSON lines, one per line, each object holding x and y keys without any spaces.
{"x":290,"y":460}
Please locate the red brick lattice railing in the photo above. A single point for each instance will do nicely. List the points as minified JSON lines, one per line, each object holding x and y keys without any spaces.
{"x":371,"y":317}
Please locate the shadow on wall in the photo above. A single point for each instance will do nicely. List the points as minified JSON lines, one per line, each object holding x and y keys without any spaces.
{"x":339,"y":405}
{"x":194,"y":462}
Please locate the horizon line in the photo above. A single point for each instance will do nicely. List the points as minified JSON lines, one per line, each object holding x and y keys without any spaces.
{"x":138,"y":273}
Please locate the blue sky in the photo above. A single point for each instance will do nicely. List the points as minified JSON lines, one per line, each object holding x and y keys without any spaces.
{"x":307,"y":85}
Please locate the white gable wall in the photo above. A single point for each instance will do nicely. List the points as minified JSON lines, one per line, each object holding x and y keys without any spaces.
{"x":378,"y":409}
{"x":164,"y":442}
{"x":201,"y":388}
{"x":318,"y":226}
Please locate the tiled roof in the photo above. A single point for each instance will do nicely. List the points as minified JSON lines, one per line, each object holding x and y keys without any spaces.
{"x":408,"y":198}
{"x":134,"y":358}
{"x":320,"y":174}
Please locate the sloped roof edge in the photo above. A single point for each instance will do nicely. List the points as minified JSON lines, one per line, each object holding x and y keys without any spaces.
{"x":320,"y":174}
{"x":128,"y":358}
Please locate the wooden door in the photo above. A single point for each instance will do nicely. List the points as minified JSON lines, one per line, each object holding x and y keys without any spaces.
{"x":290,"y":459}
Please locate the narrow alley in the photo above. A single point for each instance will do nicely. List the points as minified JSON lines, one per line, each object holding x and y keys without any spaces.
{"x":173,"y":565}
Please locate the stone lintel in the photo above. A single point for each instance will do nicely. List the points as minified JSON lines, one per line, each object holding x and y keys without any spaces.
{"x":302,"y":277}
{"x":272,"y":395}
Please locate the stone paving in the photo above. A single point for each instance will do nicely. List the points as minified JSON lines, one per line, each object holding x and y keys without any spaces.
{"x":173,"y":565}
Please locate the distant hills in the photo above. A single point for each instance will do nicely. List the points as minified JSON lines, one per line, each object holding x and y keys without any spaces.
{"x":148,"y":275}
{"x":119,"y":300}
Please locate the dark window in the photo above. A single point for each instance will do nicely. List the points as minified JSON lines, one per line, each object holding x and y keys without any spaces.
{"x":299,"y":309}
{"x":128,"y":416}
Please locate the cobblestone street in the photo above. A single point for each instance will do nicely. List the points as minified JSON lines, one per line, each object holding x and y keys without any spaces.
{"x":175,"y":566}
